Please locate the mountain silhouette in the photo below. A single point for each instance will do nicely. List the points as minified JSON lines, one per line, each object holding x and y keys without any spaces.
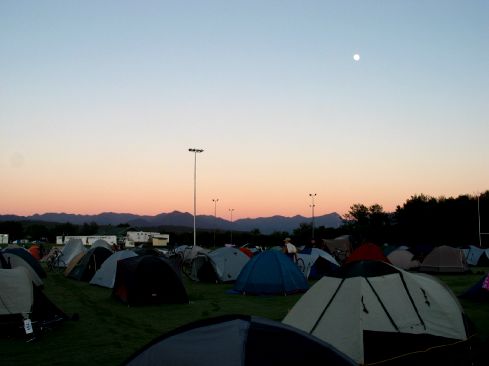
{"x":265,"y":225}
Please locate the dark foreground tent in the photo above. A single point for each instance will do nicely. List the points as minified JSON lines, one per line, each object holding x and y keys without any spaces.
{"x":20,"y":299}
{"x":235,"y":340}
{"x":377,"y":313}
{"x":89,"y":264}
{"x":148,"y":279}
{"x":270,"y":273}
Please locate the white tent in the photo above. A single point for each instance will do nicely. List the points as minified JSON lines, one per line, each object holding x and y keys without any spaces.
{"x":16,"y":292}
{"x":226,"y":263}
{"x":71,"y":249}
{"x":105,"y":275}
{"x":344,"y":310}
{"x":310,"y":259}
{"x":16,"y":262}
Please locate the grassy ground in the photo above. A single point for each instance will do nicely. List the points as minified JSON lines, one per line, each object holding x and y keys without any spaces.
{"x":108,"y":331}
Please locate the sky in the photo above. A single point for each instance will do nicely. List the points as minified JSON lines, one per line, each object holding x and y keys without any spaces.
{"x":100,"y":102}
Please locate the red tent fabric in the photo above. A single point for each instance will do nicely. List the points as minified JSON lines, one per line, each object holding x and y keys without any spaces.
{"x":35,"y":251}
{"x":246,"y":251}
{"x":367,"y":251}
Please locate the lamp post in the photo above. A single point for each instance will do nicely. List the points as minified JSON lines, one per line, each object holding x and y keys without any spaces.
{"x":312,"y":195}
{"x":479,"y":220}
{"x":231,"y":211}
{"x":215,"y":200}
{"x":195,"y":151}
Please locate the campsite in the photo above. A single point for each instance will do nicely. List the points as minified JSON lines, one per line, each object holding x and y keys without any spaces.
{"x":101,"y":329}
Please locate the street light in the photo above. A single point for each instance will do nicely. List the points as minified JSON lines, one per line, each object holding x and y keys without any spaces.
{"x":215,"y":200}
{"x":312,"y":195}
{"x":195,"y":151}
{"x":231,"y":210}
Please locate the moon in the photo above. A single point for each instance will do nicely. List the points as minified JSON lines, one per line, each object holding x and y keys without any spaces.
{"x":356,"y":57}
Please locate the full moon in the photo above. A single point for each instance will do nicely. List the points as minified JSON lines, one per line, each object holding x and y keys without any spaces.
{"x":356,"y":57}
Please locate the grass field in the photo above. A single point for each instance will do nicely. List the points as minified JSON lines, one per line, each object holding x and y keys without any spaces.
{"x":108,"y":331}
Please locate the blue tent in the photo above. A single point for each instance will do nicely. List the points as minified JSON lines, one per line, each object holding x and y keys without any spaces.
{"x":270,"y":273}
{"x":479,"y":291}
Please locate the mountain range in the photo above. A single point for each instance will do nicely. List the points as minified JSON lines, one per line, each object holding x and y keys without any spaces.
{"x":266,"y":225}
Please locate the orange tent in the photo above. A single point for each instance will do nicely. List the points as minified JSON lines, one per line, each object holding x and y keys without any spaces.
{"x":35,"y":251}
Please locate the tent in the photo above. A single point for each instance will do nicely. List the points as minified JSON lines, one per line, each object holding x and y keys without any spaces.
{"x":189,"y":252}
{"x":317,"y":262}
{"x":148,"y":279}
{"x":476,"y":256}
{"x":367,"y":251}
{"x":19,"y":257}
{"x":374,"y":312}
{"x":339,"y":247}
{"x":105,"y":275}
{"x":444,"y":259}
{"x":102,"y":243}
{"x":221,"y":265}
{"x":270,"y":273}
{"x":90,"y":263}
{"x":478,"y":292}
{"x":237,"y":340}
{"x":20,"y":299}
{"x":403,"y":259}
{"x":71,"y":249}
{"x":35,"y":251}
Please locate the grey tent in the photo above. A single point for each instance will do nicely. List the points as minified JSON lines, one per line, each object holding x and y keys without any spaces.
{"x":91,"y":261}
{"x":220,"y":265}
{"x":18,"y":257}
{"x":20,"y":299}
{"x":71,"y":249}
{"x":445,"y":259}
{"x":101,"y":243}
{"x":373,"y":312}
{"x":234,"y":340}
{"x":403,"y":259}
{"x":105,"y":275}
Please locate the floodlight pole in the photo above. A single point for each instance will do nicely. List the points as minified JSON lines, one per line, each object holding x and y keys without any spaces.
{"x":231,"y":211}
{"x":195,"y":151}
{"x":312,"y":195}
{"x":479,"y":220}
{"x":215,"y":200}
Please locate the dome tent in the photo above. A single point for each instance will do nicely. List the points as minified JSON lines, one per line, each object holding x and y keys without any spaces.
{"x":374,"y":312}
{"x":270,"y":273}
{"x":444,"y":259}
{"x":221,"y":265}
{"x":105,"y":275}
{"x":237,"y":340}
{"x":21,"y":299}
{"x":148,"y":279}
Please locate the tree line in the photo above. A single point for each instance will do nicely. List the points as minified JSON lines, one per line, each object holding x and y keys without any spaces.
{"x":422,"y":219}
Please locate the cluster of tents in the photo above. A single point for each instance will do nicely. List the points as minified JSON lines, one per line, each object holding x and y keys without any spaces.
{"x":367,"y":305}
{"x":365,"y":311}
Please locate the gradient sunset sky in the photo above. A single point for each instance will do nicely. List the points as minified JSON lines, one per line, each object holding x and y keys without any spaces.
{"x":101,"y":100}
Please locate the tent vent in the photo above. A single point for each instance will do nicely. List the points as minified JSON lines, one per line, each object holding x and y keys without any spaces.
{"x":364,"y":308}
{"x":425,"y":298}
